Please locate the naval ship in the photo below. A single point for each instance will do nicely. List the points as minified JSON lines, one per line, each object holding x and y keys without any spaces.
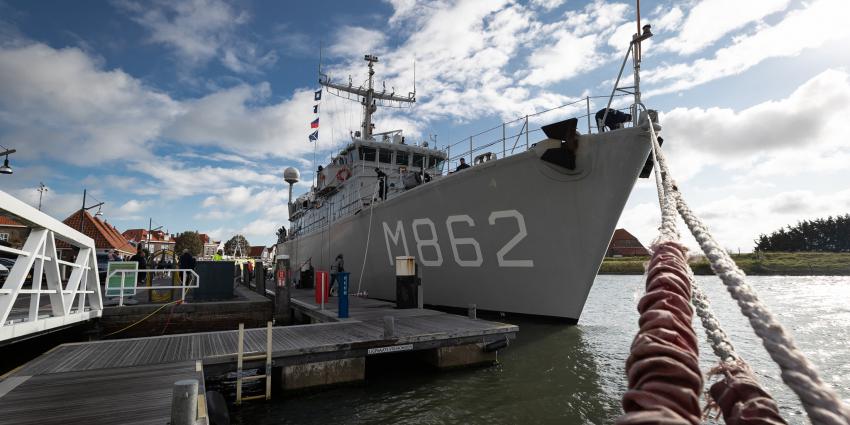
{"x":525,"y":233}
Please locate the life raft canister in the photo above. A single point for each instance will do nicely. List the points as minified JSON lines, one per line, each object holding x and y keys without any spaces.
{"x":343,"y":174}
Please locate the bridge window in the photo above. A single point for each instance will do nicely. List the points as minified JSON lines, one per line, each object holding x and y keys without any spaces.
{"x":385,"y":156}
{"x":401,"y":158}
{"x":418,"y":159}
{"x":367,"y":154}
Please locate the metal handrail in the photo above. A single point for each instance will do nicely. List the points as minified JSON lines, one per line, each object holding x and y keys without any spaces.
{"x":184,"y":287}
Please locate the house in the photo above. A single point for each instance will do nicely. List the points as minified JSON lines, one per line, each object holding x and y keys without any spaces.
{"x":106,"y":237}
{"x":156,"y":240}
{"x":210,"y":246}
{"x":624,"y":244}
{"x":12,"y":233}
{"x":258,"y":252}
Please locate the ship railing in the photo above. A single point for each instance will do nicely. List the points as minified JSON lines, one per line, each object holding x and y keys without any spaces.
{"x":194,"y":283}
{"x":511,"y":137}
{"x":74,"y":300}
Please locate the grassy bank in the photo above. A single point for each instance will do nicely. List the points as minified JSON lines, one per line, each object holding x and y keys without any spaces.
{"x":772,"y":263}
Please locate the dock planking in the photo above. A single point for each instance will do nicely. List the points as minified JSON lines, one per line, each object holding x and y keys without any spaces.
{"x":125,"y":367}
{"x":127,"y":395}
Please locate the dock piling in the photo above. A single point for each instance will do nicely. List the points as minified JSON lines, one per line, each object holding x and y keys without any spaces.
{"x":473,"y":311}
{"x":184,"y":402}
{"x":389,"y":327}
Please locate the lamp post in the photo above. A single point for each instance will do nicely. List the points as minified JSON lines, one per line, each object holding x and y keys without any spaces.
{"x":85,"y":208}
{"x":150,"y":224}
{"x":41,"y":189}
{"x":6,"y":169}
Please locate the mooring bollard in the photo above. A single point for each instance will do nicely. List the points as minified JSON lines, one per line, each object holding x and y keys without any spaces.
{"x":473,"y":311}
{"x":184,"y":402}
{"x":389,"y":327}
{"x":342,"y":300}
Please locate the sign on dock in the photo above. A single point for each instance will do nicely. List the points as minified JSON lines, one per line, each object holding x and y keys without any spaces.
{"x":113,"y":283}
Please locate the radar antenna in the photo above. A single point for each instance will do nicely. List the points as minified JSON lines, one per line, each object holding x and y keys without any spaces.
{"x":367,"y":96}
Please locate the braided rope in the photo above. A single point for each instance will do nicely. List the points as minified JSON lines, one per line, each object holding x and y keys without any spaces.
{"x":717,"y":338}
{"x":821,"y":402}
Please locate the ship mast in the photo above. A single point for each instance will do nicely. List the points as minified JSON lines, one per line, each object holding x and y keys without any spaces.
{"x":367,"y":96}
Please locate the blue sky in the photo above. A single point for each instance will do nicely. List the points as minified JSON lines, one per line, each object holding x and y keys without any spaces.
{"x":187,"y":112}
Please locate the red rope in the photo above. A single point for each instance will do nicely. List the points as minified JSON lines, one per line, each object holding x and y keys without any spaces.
{"x":663,"y":368}
{"x":741,"y":399}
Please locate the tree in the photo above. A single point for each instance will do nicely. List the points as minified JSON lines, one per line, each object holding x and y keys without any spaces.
{"x":237,"y":245}
{"x":831,"y":234}
{"x":281,"y":234}
{"x":190,"y":241}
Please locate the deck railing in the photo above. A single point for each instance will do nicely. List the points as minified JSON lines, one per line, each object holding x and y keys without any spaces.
{"x":184,"y":288}
{"x":75,"y":300}
{"x":517,"y":135}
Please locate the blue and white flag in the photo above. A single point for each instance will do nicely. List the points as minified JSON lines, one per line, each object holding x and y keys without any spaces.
{"x":317,"y":95}
{"x":314,"y":136}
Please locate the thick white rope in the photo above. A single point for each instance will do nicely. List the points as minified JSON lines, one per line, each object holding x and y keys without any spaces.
{"x":717,"y":338}
{"x":821,"y":402}
{"x":368,"y":236}
{"x":667,"y":230}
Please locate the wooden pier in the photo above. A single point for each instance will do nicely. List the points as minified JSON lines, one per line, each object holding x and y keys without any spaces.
{"x":327,"y":352}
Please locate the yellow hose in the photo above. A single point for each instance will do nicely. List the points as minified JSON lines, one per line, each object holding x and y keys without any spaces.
{"x":144,"y":318}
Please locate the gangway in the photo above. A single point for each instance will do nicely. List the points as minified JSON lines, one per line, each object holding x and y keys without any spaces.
{"x":73,"y":301}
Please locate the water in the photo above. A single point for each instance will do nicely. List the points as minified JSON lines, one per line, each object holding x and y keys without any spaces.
{"x":575,"y":374}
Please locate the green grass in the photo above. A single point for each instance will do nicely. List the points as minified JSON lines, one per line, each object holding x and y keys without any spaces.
{"x":771,"y":263}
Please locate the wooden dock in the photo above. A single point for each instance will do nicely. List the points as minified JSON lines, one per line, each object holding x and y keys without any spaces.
{"x":327,"y":352}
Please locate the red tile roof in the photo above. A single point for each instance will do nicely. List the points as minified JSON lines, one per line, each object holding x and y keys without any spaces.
{"x":104,"y":234}
{"x":142,"y":235}
{"x":256,"y":251}
{"x":6,"y":221}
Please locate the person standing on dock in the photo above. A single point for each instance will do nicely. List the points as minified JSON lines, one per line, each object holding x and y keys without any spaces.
{"x":336,"y":269}
{"x":143,"y":264}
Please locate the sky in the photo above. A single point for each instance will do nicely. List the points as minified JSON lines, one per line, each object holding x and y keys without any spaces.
{"x":187,"y":112}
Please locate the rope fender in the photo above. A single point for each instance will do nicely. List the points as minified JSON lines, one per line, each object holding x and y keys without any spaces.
{"x":741,"y":399}
{"x":663,"y":367}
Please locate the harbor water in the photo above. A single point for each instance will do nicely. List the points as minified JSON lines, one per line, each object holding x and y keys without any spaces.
{"x":555,"y":373}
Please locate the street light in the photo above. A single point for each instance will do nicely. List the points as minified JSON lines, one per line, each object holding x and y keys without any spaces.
{"x":41,"y":189}
{"x":6,"y":169}
{"x":85,"y":208}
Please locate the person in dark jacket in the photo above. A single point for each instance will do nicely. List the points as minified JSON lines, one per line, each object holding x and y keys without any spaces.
{"x":186,"y":260}
{"x":336,"y":269}
{"x":462,"y":166}
{"x":143,"y":264}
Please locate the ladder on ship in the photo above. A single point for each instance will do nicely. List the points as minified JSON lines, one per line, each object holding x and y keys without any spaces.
{"x":241,"y":358}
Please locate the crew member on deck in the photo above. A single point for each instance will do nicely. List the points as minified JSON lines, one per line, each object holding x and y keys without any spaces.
{"x":462,"y":165}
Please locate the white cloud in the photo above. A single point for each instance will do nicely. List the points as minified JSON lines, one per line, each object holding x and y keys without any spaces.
{"x":133,"y":206}
{"x":52,"y":99}
{"x":548,"y":4}
{"x":710,"y":20}
{"x":238,"y":119}
{"x":736,"y":220}
{"x":576,"y":47}
{"x":767,"y":138}
{"x":200,"y":30}
{"x":354,"y":41}
{"x":812,"y":26}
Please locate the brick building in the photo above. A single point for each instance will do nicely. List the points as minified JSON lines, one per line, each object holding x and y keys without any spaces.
{"x":106,"y":236}
{"x":624,"y":244}
{"x":157,"y":241}
{"x":12,"y":233}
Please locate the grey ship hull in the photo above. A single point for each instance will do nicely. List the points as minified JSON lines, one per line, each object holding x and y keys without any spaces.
{"x":466,"y":230}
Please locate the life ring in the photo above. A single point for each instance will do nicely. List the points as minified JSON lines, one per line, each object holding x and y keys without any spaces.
{"x":343,"y":174}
